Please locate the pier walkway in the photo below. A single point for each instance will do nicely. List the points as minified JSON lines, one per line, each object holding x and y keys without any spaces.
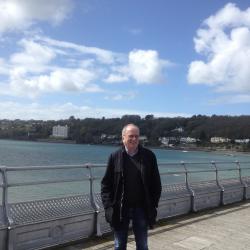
{"x":223,"y":228}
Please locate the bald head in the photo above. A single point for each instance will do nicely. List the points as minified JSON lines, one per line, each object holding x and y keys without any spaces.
{"x":130,"y":137}
{"x":129,"y":127}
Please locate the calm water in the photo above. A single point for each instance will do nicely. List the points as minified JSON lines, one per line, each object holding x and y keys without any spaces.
{"x":21,"y":153}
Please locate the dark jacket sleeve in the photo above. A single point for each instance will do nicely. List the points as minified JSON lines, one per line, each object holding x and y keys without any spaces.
{"x":107,"y":185}
{"x":156,"y":180}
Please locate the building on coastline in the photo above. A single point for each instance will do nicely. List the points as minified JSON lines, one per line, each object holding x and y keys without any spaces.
{"x":219,"y":140}
{"x":143,"y":139}
{"x":168,"y":141}
{"x":60,"y":131}
{"x":178,"y":130}
{"x":188,"y":140}
{"x":164,"y":141}
{"x":110,"y":139}
{"x":242,"y":141}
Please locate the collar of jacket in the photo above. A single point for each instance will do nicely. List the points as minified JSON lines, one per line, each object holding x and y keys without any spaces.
{"x":124,"y":149}
{"x":123,"y":154}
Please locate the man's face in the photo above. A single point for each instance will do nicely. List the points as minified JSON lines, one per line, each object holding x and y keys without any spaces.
{"x":130,"y":138}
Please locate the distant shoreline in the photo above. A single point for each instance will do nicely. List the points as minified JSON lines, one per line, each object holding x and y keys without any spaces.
{"x":43,"y":140}
{"x":215,"y":150}
{"x":56,"y":141}
{"x":179,"y":148}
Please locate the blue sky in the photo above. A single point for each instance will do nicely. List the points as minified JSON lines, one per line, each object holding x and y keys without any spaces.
{"x":95,"y":58}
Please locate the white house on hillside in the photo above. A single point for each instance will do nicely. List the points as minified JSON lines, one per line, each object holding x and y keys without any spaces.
{"x":60,"y":131}
{"x":219,"y":140}
{"x":188,"y":140}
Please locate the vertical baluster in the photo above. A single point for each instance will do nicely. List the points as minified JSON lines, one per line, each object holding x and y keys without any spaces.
{"x":241,"y":180}
{"x":239,"y":170}
{"x":188,"y":185}
{"x":91,"y":188}
{"x":93,"y":202}
{"x":218,"y":182}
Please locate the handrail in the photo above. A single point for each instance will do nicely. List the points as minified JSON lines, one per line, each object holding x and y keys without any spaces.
{"x":72,"y":166}
{"x":185,"y":169}
{"x":89,"y":168}
{"x":18,"y":184}
{"x":232,"y":166}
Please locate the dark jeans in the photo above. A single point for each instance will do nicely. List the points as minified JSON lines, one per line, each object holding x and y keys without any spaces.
{"x":140,"y":229}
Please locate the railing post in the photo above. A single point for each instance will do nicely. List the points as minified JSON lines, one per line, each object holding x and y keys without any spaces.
{"x":92,"y":199}
{"x":4,"y":197}
{"x":217,"y":181}
{"x":7,"y":219}
{"x":239,"y":169}
{"x":241,"y":181}
{"x":188,"y":186}
{"x":216,"y":173}
{"x":91,"y":184}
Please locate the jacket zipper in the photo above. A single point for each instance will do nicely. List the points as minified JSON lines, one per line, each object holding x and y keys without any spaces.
{"x":122,"y":196}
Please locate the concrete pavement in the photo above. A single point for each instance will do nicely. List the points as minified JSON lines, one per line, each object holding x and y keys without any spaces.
{"x":223,"y":228}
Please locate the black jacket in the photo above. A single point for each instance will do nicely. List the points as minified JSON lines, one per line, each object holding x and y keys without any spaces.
{"x":112,"y":185}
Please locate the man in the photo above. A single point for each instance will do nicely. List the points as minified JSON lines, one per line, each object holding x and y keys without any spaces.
{"x":130,"y":190}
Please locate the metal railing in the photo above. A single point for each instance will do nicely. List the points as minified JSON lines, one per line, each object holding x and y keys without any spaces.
{"x":60,"y":197}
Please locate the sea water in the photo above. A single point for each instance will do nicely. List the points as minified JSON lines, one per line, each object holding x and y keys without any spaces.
{"x":26,"y":153}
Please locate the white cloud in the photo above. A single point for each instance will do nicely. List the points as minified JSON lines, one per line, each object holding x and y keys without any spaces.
{"x":231,"y":99}
{"x":3,"y":67}
{"x":44,"y":65}
{"x":118,"y":74}
{"x":18,"y":15}
{"x":60,"y":80}
{"x":114,"y":78}
{"x":146,"y":67}
{"x":143,"y":66}
{"x":121,"y":96}
{"x":14,"y":110}
{"x":103,"y":56}
{"x":35,"y":70}
{"x":34,"y":57}
{"x":224,"y":40}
